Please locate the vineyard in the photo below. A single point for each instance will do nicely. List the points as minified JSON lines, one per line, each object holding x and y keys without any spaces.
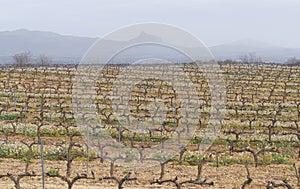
{"x":258,"y":144}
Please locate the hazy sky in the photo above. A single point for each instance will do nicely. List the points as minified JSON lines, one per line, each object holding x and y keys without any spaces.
{"x":213,"y":21}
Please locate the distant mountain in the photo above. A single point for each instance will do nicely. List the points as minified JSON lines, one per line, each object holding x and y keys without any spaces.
{"x":70,"y":49}
{"x":267,"y":52}
{"x":48,"y":43}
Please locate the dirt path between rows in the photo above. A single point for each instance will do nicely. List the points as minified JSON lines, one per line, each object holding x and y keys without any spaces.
{"x":223,"y":177}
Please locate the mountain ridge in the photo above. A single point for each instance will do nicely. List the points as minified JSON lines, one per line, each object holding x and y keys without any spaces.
{"x":68,"y":46}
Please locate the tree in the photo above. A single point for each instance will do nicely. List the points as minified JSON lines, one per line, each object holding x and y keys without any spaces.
{"x":43,"y":60}
{"x":250,"y":58}
{"x":22,"y":59}
{"x":293,"y":61}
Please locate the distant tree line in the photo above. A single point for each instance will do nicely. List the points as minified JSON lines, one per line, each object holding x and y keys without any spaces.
{"x":293,"y":61}
{"x":251,"y":58}
{"x":25,"y":58}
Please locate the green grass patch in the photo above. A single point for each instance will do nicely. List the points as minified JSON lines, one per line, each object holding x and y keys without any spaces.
{"x":13,"y":116}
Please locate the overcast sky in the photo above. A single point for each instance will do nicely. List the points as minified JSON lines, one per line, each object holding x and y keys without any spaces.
{"x":212,"y":21}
